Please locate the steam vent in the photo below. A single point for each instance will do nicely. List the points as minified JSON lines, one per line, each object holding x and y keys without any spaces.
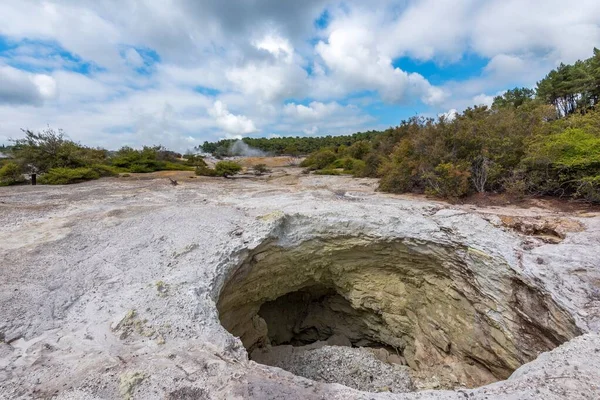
{"x":291,"y":286}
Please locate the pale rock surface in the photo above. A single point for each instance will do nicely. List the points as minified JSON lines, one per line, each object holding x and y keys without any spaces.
{"x":109,"y":289}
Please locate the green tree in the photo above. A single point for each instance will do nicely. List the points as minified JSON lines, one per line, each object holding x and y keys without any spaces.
{"x":514,"y":98}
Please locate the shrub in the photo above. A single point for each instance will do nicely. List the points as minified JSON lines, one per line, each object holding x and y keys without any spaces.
{"x":260,"y":169}
{"x":105,"y":170}
{"x":194,"y":160}
{"x":10,"y":174}
{"x":589,"y":189}
{"x":373,"y":162}
{"x":359,"y":149}
{"x":148,"y":159}
{"x":448,"y":180}
{"x":65,"y":176}
{"x":400,"y":176}
{"x":205,"y":171}
{"x":222,"y":168}
{"x":394,"y":180}
{"x":227,"y":168}
{"x":356,"y":168}
{"x":516,"y":186}
{"x":328,"y":171}
{"x":319,"y":160}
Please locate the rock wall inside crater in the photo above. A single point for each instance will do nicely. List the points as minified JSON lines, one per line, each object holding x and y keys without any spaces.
{"x":450,"y":311}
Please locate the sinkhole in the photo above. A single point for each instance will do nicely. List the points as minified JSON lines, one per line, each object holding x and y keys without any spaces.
{"x":389,"y":314}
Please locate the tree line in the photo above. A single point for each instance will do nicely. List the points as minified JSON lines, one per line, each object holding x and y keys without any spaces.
{"x":292,"y":146}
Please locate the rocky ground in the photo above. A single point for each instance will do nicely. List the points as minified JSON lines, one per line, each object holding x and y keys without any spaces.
{"x":109,"y":289}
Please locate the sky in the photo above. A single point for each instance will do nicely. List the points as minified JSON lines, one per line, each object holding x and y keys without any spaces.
{"x":179,"y":72}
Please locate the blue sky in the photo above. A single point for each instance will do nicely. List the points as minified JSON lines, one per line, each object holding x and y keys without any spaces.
{"x":182,"y":72}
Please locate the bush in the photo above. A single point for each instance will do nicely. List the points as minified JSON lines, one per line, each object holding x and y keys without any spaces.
{"x":448,"y":181}
{"x":356,"y":168}
{"x":260,"y":169}
{"x":194,"y":160}
{"x":105,"y":170}
{"x":227,"y":168}
{"x":395,"y":179}
{"x":516,"y":186}
{"x":148,"y":159}
{"x":589,"y":189}
{"x":319,"y":160}
{"x":373,"y":162}
{"x":205,"y":171}
{"x":222,"y":168}
{"x":11,"y":174}
{"x":65,"y":176}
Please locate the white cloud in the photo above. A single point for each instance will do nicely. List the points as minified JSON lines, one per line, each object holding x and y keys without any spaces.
{"x":483,"y":100}
{"x":19,"y":87}
{"x":276,"y":45}
{"x":450,"y":115}
{"x":232,"y":124}
{"x":314,"y":111}
{"x":353,"y":55}
{"x":268,"y":82}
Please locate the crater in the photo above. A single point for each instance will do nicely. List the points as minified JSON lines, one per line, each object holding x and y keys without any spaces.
{"x":394,"y":315}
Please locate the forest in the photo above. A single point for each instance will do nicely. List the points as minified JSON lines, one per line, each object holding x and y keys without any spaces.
{"x":531,"y":142}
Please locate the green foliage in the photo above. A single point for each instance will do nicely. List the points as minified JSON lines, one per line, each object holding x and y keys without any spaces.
{"x":50,"y":154}
{"x":260,"y":169}
{"x":396,"y":178}
{"x":10,"y":174}
{"x":588,"y":188}
{"x":572,"y":148}
{"x":148,"y":159}
{"x":514,"y":98}
{"x":227,"y":168}
{"x":205,"y":171}
{"x":572,"y":88}
{"x":359,"y":150}
{"x":104,"y":170}
{"x":65,"y":176}
{"x":193,"y":160}
{"x":448,"y":180}
{"x":328,"y":171}
{"x":42,"y":151}
{"x":320,"y":159}
{"x":565,"y":163}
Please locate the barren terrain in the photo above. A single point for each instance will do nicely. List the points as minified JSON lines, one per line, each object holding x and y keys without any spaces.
{"x":131,"y":287}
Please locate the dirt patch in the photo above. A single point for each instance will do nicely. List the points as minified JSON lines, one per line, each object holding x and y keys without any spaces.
{"x":271,"y":162}
{"x":547,"y":229}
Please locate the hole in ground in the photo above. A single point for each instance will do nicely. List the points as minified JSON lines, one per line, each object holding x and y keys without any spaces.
{"x":354,"y":310}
